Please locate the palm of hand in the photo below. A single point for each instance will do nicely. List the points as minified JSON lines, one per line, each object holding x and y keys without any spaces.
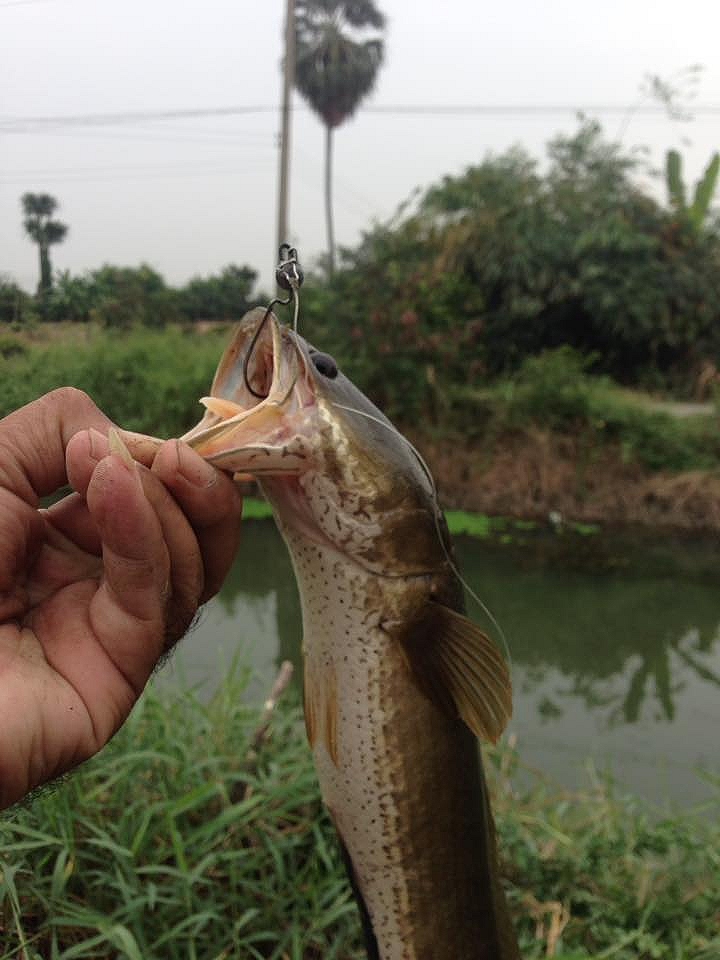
{"x":94,"y":589}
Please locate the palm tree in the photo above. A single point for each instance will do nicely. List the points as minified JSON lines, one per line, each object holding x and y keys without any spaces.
{"x":38,"y":209}
{"x":335,"y":67}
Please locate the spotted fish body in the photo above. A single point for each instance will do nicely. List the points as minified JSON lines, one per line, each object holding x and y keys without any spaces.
{"x":397,"y":681}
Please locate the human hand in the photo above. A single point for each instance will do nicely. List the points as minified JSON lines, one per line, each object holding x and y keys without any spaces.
{"x":96,"y":588}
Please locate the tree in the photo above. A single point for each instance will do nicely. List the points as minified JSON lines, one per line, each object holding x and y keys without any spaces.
{"x":335,"y":67}
{"x":14,"y":302}
{"x":38,"y":209}
{"x":221,"y":297}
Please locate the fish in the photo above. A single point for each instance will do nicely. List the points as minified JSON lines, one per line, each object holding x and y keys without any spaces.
{"x":398,"y":683}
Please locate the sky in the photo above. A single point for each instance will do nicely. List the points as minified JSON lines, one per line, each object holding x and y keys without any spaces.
{"x":190,"y":194}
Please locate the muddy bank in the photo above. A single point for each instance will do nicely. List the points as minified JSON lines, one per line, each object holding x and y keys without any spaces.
{"x":536,"y":473}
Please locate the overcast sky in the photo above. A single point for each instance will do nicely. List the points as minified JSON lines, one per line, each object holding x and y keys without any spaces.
{"x":193,"y":194}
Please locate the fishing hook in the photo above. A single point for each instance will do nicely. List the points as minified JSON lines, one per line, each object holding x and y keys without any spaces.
{"x":288,"y":276}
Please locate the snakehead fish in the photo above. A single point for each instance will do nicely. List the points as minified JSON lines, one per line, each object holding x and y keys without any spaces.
{"x":398,"y":683}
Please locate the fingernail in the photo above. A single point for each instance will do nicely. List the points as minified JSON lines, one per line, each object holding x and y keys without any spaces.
{"x":115,"y":442}
{"x":193,"y":467}
{"x":98,"y":445}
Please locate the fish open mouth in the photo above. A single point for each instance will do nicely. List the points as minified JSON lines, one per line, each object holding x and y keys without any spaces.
{"x":256,"y":413}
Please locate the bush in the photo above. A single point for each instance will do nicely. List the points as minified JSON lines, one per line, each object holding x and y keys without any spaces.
{"x":223,"y":297}
{"x":15,"y":304}
{"x":552,"y":389}
{"x":555,"y":391}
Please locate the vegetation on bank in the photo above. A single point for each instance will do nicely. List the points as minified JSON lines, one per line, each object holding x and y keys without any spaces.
{"x":550,"y":439}
{"x":150,"y":380}
{"x":195,"y":835}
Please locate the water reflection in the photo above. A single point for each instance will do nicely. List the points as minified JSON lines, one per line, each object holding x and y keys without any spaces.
{"x":616,"y":653}
{"x":619,"y":639}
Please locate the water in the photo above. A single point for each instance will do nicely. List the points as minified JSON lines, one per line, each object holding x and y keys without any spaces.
{"x":615,"y":647}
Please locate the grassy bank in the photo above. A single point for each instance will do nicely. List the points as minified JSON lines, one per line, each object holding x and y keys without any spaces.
{"x":551,"y":440}
{"x":182,"y":839}
{"x":147,"y":380}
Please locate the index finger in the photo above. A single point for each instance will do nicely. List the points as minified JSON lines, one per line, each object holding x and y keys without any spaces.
{"x":33,"y":441}
{"x":34,"y":438}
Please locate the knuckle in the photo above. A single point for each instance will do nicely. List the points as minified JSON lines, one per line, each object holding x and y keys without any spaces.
{"x":70,"y":397}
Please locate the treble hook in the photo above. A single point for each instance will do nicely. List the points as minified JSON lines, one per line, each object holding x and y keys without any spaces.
{"x":288,"y":276}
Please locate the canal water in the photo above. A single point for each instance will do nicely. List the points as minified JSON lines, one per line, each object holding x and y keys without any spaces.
{"x":615,"y":646}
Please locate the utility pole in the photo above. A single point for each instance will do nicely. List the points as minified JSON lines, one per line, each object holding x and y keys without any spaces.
{"x":288,"y":81}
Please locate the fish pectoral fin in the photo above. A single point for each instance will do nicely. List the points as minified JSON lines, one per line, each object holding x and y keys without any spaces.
{"x":321,"y":710}
{"x":463,"y":672}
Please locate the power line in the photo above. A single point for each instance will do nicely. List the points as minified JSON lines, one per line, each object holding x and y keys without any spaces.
{"x":71,"y":176}
{"x":136,"y":116}
{"x":21,"y":3}
{"x":204,"y":138}
{"x":10,"y":124}
{"x":526,"y":108}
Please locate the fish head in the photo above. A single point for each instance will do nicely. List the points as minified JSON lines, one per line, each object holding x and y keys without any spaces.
{"x":333,"y":466}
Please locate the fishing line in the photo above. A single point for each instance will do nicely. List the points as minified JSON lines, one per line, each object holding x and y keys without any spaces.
{"x":436,"y":517}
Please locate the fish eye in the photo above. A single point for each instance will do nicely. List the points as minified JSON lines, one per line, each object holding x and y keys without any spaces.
{"x":325,"y":365}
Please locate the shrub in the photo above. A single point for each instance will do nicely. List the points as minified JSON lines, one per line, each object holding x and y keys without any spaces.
{"x":15,"y":304}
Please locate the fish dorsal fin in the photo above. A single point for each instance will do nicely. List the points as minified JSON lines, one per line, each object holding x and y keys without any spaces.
{"x":462,"y":671}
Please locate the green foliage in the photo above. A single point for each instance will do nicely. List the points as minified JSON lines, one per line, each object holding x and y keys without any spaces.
{"x":72,"y":299}
{"x":471,"y":524}
{"x":674,"y":180}
{"x":223,"y":297}
{"x":11,"y":346}
{"x":625,"y":881}
{"x":704,"y":193}
{"x":180,"y":840}
{"x":501,"y":263}
{"x":552,"y":389}
{"x":256,"y":509}
{"x":691,"y":216}
{"x":143,"y":379}
{"x":122,"y":296}
{"x":15,"y":304}
{"x":555,"y":391}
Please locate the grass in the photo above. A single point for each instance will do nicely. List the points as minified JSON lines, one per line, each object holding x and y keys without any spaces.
{"x":181,"y":841}
{"x":146,"y":380}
